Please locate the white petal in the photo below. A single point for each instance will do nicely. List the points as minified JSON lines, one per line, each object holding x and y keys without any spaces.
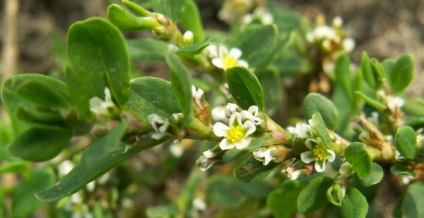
{"x":235,"y":119}
{"x":108,"y":97}
{"x":248,"y":128}
{"x":225,"y":145}
{"x":220,"y":129}
{"x":307,"y":157}
{"x":217,"y":62}
{"x":222,"y":51}
{"x":242,"y":63}
{"x":331,"y":156}
{"x":242,"y":144}
{"x":230,"y":109}
{"x":320,"y":166}
{"x":235,"y":53}
{"x":254,"y":110}
{"x":209,"y":154}
{"x":158,"y":135}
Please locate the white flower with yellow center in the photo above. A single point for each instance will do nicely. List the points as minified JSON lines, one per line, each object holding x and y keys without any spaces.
{"x":227,"y":59}
{"x":100,"y":107}
{"x":236,"y":135}
{"x":317,"y":153}
{"x":159,"y":124}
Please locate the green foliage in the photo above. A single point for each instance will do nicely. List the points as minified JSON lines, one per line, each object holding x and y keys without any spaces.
{"x":321,"y":129}
{"x":354,"y":204}
{"x":314,"y":103}
{"x":313,"y":196}
{"x":191,"y":50}
{"x":335,"y":195}
{"x":405,"y":141}
{"x":356,"y":154}
{"x":147,"y":49}
{"x":375,"y":176}
{"x":283,"y":201}
{"x":245,"y":88}
{"x":402,"y":73}
{"x":344,"y":76}
{"x":252,"y":170}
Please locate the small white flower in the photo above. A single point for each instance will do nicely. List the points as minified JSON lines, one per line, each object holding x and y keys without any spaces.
{"x":252,"y":115}
{"x":178,"y":117}
{"x":90,"y":186}
{"x":197,"y":96}
{"x":199,"y":204}
{"x":236,"y":135}
{"x":188,"y":38}
{"x":317,"y":153}
{"x":159,"y":124}
{"x":394,"y":103}
{"x":324,"y":32}
{"x":348,"y":44}
{"x":211,"y":51}
{"x":263,"y":15}
{"x":209,"y":154}
{"x":218,"y":114}
{"x":227,"y":59}
{"x":293,"y":174}
{"x":65,"y":167}
{"x":337,"y":21}
{"x":264,"y":154}
{"x":205,"y":163}
{"x":230,"y":109}
{"x":100,"y":107}
{"x":176,"y":149}
{"x":301,"y":130}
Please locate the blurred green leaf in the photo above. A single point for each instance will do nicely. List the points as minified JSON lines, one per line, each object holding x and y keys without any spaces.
{"x":101,"y":156}
{"x":375,"y":176}
{"x":162,"y":211}
{"x":191,"y":50}
{"x":257,"y":43}
{"x":191,"y":20}
{"x":369,"y":76}
{"x":171,"y":8}
{"x":272,"y":88}
{"x":252,"y":170}
{"x":354,"y":204}
{"x":144,"y":101}
{"x":126,"y":21}
{"x":321,"y":129}
{"x":24,"y":201}
{"x":313,"y":196}
{"x":181,"y":84}
{"x":282,"y":202}
{"x":314,"y":103}
{"x":97,"y":58}
{"x":344,"y":76}
{"x":405,"y":141}
{"x":376,"y":104}
{"x":147,"y":49}
{"x":411,"y":204}
{"x":40,"y":143}
{"x":402,"y":73}
{"x":245,"y":88}
{"x":401,"y":170}
{"x":378,"y":70}
{"x":356,"y":154}
{"x":225,"y":191}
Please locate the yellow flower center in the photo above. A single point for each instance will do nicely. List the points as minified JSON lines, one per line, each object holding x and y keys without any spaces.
{"x":319,"y":153}
{"x":235,"y":134}
{"x":229,"y":61}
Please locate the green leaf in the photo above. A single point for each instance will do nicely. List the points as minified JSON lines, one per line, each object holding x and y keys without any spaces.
{"x":34,"y":90}
{"x":411,"y":204}
{"x":335,"y":195}
{"x":97,"y":159}
{"x":97,"y":58}
{"x":321,"y":129}
{"x":356,"y":154}
{"x":257,"y":43}
{"x":369,"y":76}
{"x":24,"y":201}
{"x":402,"y":73}
{"x":245,"y":88}
{"x":17,"y":166}
{"x":313,"y":196}
{"x":144,"y":101}
{"x":376,"y":104}
{"x":314,"y":103}
{"x":191,"y":20}
{"x":191,"y":50}
{"x":378,"y":70}
{"x":344,"y":76}
{"x":40,"y":117}
{"x":271,"y":84}
{"x":405,"y":141}
{"x":375,"y":176}
{"x":286,"y":20}
{"x":162,"y":211}
{"x":40,"y":143}
{"x":225,"y":191}
{"x":126,"y":21}
{"x":181,"y":84}
{"x":283,"y":202}
{"x":400,"y":170}
{"x":354,"y":204}
{"x":171,"y":8}
{"x":147,"y":49}
{"x":252,"y":170}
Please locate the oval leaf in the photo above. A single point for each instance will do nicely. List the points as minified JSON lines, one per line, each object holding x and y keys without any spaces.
{"x":344,"y":76}
{"x":321,"y":130}
{"x":402,"y":73}
{"x":126,"y":21}
{"x":144,"y":101}
{"x":245,"y":88}
{"x":252,"y":170}
{"x":40,"y":143}
{"x":356,"y":154}
{"x":375,"y":176}
{"x":181,"y":84}
{"x":97,"y":58}
{"x":315,"y":102}
{"x":369,"y":76}
{"x":283,"y":202}
{"x":354,"y":205}
{"x":313,"y":196}
{"x":405,"y":141}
